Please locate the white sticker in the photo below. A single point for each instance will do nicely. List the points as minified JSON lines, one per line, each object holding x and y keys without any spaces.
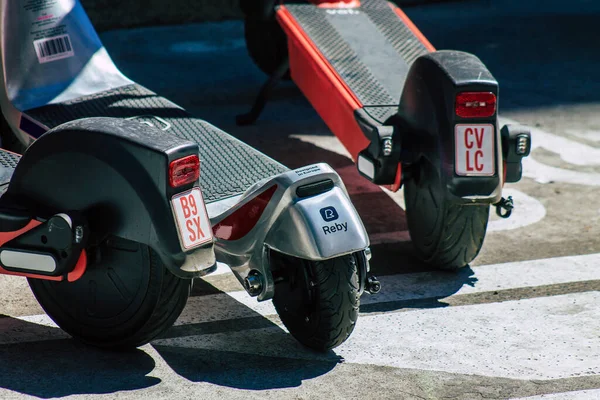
{"x":53,"y":48}
{"x":308,"y":170}
{"x":474,"y":145}
{"x":191,"y":218}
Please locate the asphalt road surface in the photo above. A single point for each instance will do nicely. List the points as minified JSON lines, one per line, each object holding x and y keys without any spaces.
{"x":522,"y":321}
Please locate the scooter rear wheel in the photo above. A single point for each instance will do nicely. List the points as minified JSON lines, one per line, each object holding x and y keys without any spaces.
{"x":445,"y":235}
{"x":125,"y":298}
{"x":317,"y":301}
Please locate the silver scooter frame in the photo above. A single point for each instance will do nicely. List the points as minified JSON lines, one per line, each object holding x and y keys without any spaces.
{"x":300,"y":226}
{"x":316,"y":227}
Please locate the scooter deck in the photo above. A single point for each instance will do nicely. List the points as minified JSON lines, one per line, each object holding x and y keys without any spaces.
{"x":370,"y":47}
{"x":228,"y":166}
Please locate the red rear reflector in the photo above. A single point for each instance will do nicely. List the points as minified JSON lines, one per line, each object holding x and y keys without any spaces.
{"x":475,"y":104}
{"x":184,"y":171}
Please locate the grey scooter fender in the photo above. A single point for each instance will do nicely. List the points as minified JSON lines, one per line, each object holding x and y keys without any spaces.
{"x":304,"y":213}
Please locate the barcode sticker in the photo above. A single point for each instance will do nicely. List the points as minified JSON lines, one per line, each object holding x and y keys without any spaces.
{"x":53,"y":48}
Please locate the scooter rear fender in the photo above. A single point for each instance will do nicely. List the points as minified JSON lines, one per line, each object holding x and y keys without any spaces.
{"x":304,"y":213}
{"x":115,"y":172}
{"x":429,"y":120}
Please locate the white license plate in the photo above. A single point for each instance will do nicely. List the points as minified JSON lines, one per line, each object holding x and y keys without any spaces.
{"x":191,"y":218}
{"x":474,"y":144}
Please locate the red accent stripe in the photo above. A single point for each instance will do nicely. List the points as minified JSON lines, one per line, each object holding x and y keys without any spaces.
{"x":72,"y":276}
{"x":241,"y":222}
{"x":412,"y":27}
{"x":8,"y":236}
{"x":323,"y":87}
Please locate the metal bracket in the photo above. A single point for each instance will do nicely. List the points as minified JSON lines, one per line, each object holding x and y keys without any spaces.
{"x":367,"y":282}
{"x":504,"y":207}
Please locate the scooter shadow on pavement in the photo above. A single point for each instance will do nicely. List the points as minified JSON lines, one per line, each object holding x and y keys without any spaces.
{"x":228,"y":337}
{"x":58,"y":366}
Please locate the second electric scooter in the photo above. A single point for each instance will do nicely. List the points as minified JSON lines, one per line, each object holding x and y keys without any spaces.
{"x":288,"y":235}
{"x":409,"y":115}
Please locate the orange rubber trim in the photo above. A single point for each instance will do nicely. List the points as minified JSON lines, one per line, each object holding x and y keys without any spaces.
{"x":72,"y":276}
{"x":412,"y":27}
{"x":287,"y":21}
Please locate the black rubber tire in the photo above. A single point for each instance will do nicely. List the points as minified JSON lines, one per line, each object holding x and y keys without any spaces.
{"x":321,"y":315}
{"x":266,"y":43}
{"x":445,"y":235}
{"x":126,"y":297}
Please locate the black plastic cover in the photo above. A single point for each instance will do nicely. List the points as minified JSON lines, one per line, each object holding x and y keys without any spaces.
{"x":114,"y":172}
{"x":427,"y":109}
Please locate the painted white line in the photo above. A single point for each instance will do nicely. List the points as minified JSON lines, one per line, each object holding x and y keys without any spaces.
{"x":542,"y":173}
{"x":487,"y":278}
{"x":527,"y":211}
{"x":543,"y":338}
{"x":222,"y":269}
{"x":593,"y":136}
{"x":569,"y":150}
{"x":41,"y":319}
{"x":593,"y":394}
{"x":235,"y":305}
{"x":416,"y":286}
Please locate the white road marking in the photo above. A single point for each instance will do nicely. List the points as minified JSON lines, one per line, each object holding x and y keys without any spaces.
{"x":542,"y":173}
{"x":222,"y":269}
{"x":416,"y":286}
{"x":569,"y":151}
{"x":426,"y":285}
{"x":543,"y":338}
{"x":41,"y":319}
{"x":527,"y":211}
{"x":593,"y":394}
{"x":593,"y":136}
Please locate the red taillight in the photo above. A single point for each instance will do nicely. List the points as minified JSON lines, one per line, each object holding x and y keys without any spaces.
{"x":475,"y":104}
{"x":184,"y":171}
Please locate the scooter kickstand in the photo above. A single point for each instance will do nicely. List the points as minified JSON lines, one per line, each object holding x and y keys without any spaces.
{"x":263,"y":96}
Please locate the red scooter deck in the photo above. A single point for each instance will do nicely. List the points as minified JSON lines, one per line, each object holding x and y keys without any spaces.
{"x":351,"y":56}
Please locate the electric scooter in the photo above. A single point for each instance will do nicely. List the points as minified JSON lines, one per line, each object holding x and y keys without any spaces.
{"x":409,"y":115}
{"x":122,"y":198}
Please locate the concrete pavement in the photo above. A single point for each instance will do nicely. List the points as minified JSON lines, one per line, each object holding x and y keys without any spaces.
{"x":521,"y":322}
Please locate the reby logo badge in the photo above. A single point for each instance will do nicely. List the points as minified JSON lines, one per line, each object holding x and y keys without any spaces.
{"x":329,"y":214}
